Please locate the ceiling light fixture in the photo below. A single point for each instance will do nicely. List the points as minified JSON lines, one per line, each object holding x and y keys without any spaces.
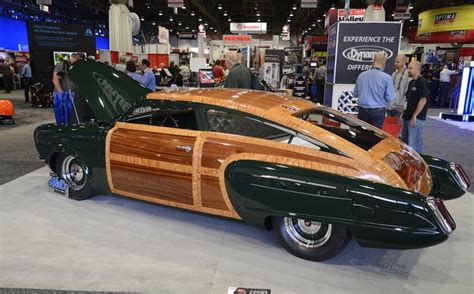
{"x":225,"y":13}
{"x":171,"y":19}
{"x":187,"y":28}
{"x":192,"y":13}
{"x":179,"y":23}
{"x":294,"y":7}
{"x":258,"y":13}
{"x":230,"y":19}
{"x":319,"y":20}
{"x":291,"y":14}
{"x":160,"y":13}
{"x":219,"y":6}
{"x":200,"y":19}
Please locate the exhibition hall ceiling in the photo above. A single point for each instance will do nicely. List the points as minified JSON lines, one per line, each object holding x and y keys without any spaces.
{"x":217,"y":15}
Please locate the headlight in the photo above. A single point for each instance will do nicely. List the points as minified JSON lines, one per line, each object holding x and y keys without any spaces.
{"x":442,"y":214}
{"x":461,"y":176}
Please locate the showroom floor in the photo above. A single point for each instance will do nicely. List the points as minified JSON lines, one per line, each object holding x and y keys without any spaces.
{"x":117,"y":244}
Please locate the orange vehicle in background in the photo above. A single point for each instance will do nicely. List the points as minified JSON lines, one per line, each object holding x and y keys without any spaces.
{"x":7,"y":110}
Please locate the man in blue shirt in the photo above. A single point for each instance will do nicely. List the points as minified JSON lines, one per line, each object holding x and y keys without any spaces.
{"x":27,"y":79}
{"x":375,"y":91}
{"x":148,"y":78}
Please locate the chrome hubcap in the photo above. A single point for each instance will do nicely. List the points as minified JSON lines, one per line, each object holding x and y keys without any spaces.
{"x":73,"y":173}
{"x":310,"y":234}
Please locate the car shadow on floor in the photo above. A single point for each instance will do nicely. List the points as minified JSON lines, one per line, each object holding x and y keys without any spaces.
{"x":397,"y":263}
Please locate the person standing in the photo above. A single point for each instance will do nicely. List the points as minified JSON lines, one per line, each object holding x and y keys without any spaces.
{"x":185,"y":73}
{"x":131,"y":71}
{"x":121,"y":66}
{"x":400,"y":81}
{"x":445,"y":84}
{"x":415,"y":114}
{"x":434,"y":87}
{"x":239,"y":75}
{"x":375,"y":91}
{"x":5,"y":72}
{"x":27,"y":79}
{"x":319,"y":79}
{"x":148,"y":78}
{"x":218,"y":71}
{"x":64,"y":90}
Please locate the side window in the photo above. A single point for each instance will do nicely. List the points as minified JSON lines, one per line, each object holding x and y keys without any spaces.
{"x":245,"y":125}
{"x":239,"y":124}
{"x":170,"y":117}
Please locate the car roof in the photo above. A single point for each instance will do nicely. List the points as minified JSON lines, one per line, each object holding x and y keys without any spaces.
{"x":238,"y":99}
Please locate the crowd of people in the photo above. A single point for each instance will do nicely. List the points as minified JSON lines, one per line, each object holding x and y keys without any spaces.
{"x":403,"y":95}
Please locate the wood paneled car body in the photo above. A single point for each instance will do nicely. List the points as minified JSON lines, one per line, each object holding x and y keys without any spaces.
{"x":315,"y":176}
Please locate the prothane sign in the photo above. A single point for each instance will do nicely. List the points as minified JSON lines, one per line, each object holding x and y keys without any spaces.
{"x":248,"y":27}
{"x":453,"y":18}
{"x":237,"y":39}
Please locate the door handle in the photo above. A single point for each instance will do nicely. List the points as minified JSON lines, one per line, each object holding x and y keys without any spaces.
{"x":185,"y":148}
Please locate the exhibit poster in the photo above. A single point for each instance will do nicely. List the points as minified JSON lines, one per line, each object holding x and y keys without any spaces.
{"x":357,"y":43}
{"x":271,"y":70}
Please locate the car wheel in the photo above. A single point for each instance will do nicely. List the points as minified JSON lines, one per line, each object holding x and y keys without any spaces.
{"x":310,"y":239}
{"x":75,"y":174}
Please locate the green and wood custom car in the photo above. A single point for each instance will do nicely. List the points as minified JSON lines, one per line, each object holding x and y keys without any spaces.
{"x":315,"y":176}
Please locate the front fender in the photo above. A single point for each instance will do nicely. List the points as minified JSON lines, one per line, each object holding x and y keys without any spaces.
{"x":377,"y":215}
{"x":85,"y":142}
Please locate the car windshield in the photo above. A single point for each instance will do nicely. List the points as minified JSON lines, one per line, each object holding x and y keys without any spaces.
{"x":351,"y":129}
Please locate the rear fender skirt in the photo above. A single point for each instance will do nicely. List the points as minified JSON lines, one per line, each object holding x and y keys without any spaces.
{"x":445,"y":185}
{"x":373,"y":212}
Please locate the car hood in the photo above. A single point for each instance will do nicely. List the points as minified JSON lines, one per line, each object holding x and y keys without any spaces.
{"x":109,"y":93}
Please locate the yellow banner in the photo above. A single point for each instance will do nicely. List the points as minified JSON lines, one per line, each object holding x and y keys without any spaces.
{"x":446,"y":19}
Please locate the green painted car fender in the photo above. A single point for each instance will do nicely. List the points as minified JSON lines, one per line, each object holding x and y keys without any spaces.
{"x":377,"y":215}
{"x":445,"y":185}
{"x":89,"y":148}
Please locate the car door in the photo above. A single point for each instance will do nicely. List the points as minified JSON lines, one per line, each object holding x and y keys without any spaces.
{"x":154,"y":162}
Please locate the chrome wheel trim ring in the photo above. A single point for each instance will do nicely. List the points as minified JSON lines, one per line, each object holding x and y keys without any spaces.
{"x":73,"y":173}
{"x":292,"y":227}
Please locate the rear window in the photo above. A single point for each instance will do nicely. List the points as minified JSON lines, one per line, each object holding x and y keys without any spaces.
{"x":352,"y":130}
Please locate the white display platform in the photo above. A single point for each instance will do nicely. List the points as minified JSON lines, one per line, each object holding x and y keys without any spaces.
{"x":116,"y":244}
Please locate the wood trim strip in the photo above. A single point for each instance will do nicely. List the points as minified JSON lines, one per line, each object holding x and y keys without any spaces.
{"x":181,"y":168}
{"x":197,"y":156}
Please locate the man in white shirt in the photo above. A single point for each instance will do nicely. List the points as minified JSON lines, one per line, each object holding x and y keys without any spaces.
{"x":445,"y":84}
{"x":400,"y":81}
{"x":185,"y":73}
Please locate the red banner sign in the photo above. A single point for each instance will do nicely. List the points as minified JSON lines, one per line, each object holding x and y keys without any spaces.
{"x":237,"y":39}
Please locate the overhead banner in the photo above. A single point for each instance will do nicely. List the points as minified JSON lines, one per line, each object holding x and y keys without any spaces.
{"x":335,"y":15}
{"x":237,"y":39}
{"x":248,"y":27}
{"x":453,"y":18}
{"x":461,"y":36}
{"x":357,"y":44}
{"x":163,"y":35}
{"x":176,"y":3}
{"x":309,"y":3}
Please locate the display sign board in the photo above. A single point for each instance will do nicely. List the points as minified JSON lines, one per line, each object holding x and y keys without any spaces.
{"x":175,"y":3}
{"x":45,"y":37}
{"x":309,"y":3}
{"x":55,"y":36}
{"x":248,"y":27}
{"x":357,"y":43}
{"x":351,"y":48}
{"x":237,"y":39}
{"x":452,"y":18}
{"x":299,"y":89}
